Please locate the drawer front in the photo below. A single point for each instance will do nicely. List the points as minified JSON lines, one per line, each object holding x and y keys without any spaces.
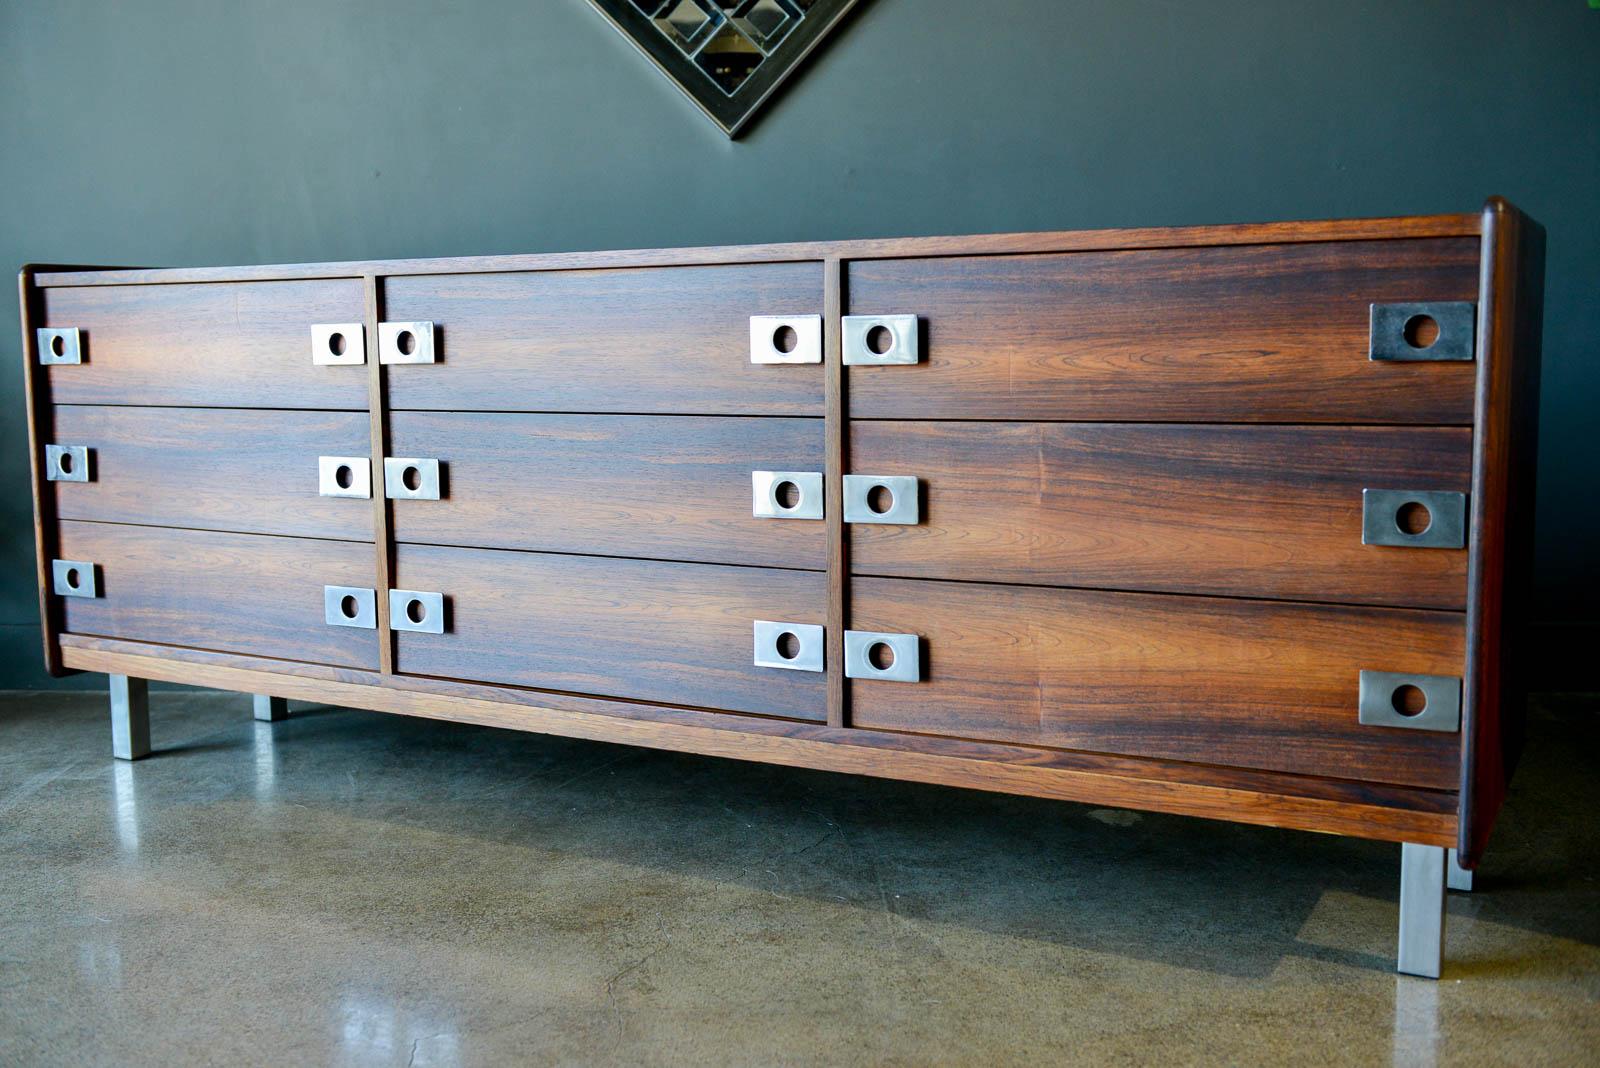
{"x":648,"y":340}
{"x":236,"y":593}
{"x":1266,"y":333}
{"x":1238,"y":511}
{"x":1242,"y":683}
{"x":218,"y":344}
{"x":643,"y":630}
{"x":664,"y":487}
{"x":213,"y":469}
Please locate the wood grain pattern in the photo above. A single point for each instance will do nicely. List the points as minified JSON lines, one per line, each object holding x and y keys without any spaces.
{"x":1242,"y":683}
{"x":1510,"y":320}
{"x":36,"y":400}
{"x":661,"y":340}
{"x":649,"y":486}
{"x":642,"y":630}
{"x":246,"y":345}
{"x":235,"y":469}
{"x":1270,"y":233}
{"x":1331,"y":806}
{"x":240,"y":593}
{"x":1235,"y":334}
{"x":1239,"y":511}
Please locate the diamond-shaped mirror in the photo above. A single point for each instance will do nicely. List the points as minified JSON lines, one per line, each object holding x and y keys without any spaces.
{"x":728,"y":56}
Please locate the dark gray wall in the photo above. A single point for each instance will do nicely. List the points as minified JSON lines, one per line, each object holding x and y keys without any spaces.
{"x":167,"y":132}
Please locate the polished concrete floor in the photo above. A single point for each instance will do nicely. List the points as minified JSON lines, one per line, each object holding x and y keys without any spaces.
{"x":352,"y":888}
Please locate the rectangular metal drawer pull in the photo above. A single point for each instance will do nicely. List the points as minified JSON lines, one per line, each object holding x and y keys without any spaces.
{"x":1415,"y":702}
{"x":416,"y":610}
{"x":350,"y":606}
{"x":67,"y":463}
{"x":406,"y":342}
{"x":1419,"y":519}
{"x":880,"y":339}
{"x":887,"y":657}
{"x":338,"y":344}
{"x":75,"y":578}
{"x":344,"y":476}
{"x":785,"y":339}
{"x":1423,"y":330}
{"x":791,"y":646}
{"x":58,"y":345}
{"x":786,"y":494}
{"x":411,"y":478}
{"x":881,"y":499}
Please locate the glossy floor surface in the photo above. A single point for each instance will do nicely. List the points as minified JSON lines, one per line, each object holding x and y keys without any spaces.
{"x":352,"y":888}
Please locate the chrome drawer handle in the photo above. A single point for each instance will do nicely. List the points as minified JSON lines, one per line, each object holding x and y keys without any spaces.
{"x":416,"y":610}
{"x":785,"y":339}
{"x":791,"y":646}
{"x":344,"y":476}
{"x":1431,"y":330}
{"x":786,"y":494}
{"x":880,"y":339}
{"x":881,"y":499}
{"x":75,"y":578}
{"x":67,"y":463}
{"x":872,"y":654}
{"x":58,"y":345}
{"x":338,"y":344}
{"x":406,"y":342}
{"x":1419,"y":519}
{"x":1415,"y":702}
{"x":411,"y":478}
{"x":350,"y":606}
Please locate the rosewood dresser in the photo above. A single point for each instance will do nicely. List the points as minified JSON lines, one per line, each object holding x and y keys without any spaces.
{"x":1227,"y":521}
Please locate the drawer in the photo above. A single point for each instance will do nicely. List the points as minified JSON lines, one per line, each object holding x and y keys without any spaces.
{"x":665,"y":487}
{"x":1264,"y":333}
{"x":236,"y":593}
{"x":217,"y":344}
{"x":1251,"y":684}
{"x":674,"y":633}
{"x":1238,"y":511}
{"x":235,"y":469}
{"x":646,"y":341}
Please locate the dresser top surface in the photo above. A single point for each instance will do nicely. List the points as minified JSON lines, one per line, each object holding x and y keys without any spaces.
{"x":1416,"y":226}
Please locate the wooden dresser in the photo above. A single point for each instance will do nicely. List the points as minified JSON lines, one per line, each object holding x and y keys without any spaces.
{"x":1225,"y":521}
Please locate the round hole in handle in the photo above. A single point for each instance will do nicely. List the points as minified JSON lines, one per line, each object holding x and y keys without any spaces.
{"x":74,"y":579}
{"x":416,"y":611}
{"x":336,"y":343}
{"x":64,"y":461}
{"x":344,"y":476}
{"x":1409,"y":700}
{"x":880,"y":339}
{"x":411,"y":478}
{"x":880,"y":499}
{"x":787,"y":494}
{"x":1421,"y":331}
{"x":785,"y":339}
{"x":1413,"y":518}
{"x":880,"y":655}
{"x":788,"y":645}
{"x":58,"y":345}
{"x":348,"y":607}
{"x":406,"y":342}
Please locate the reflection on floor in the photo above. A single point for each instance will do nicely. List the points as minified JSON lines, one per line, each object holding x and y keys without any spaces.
{"x":348,"y":887}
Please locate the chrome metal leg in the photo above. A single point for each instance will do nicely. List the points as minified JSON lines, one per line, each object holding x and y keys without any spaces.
{"x":271,"y":709}
{"x":1457,"y":877}
{"x":1421,"y":909}
{"x":130,"y":717}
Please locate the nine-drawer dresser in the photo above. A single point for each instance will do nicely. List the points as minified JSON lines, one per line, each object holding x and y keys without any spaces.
{"x":1228,"y":521}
